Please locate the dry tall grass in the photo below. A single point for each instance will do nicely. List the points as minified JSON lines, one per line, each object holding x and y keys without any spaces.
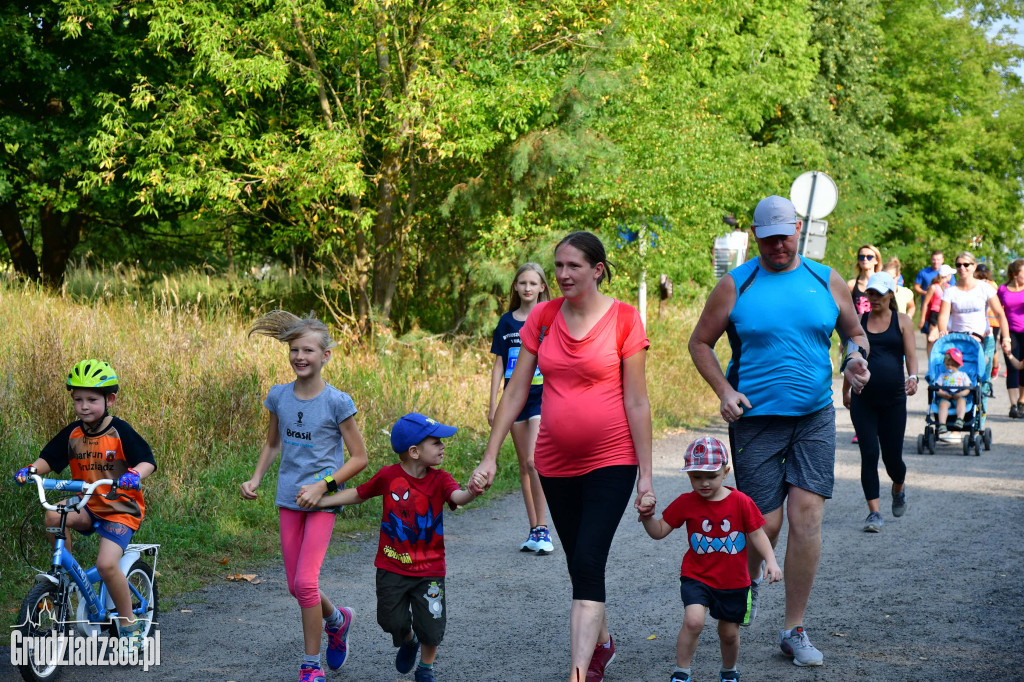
{"x":193,"y":386}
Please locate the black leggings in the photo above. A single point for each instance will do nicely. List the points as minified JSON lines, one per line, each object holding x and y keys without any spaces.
{"x":1014,"y":376}
{"x":879,"y":424}
{"x":586,"y":510}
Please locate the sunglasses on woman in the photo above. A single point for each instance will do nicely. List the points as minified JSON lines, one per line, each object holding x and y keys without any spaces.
{"x":865,"y":256}
{"x":964,"y":265}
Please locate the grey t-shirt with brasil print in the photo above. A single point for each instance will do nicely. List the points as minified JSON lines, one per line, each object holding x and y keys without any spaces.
{"x":311,"y":444}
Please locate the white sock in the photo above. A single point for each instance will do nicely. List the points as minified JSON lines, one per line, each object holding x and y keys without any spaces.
{"x":336,"y":619}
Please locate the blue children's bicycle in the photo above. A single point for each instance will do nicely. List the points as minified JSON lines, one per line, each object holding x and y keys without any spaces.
{"x":63,"y":603}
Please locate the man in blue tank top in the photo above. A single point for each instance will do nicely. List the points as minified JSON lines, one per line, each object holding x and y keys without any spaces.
{"x":779,"y":311}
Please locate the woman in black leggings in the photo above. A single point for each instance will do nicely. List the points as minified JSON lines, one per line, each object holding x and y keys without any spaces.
{"x":879,"y":412}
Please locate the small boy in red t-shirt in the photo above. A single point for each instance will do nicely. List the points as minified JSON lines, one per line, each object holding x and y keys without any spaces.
{"x":720,"y":522}
{"x":410,"y":554}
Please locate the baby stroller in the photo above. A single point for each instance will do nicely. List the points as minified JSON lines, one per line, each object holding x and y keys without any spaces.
{"x":975,"y":434}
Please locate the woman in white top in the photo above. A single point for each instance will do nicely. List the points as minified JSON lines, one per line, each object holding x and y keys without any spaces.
{"x":965,"y":306}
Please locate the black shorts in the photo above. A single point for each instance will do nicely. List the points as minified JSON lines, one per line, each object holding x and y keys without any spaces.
{"x":732,"y":606}
{"x":531,"y":410}
{"x":407,"y":602}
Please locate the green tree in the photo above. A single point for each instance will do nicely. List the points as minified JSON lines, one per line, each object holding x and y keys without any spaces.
{"x":840,"y":126}
{"x":956,"y":115}
{"x":56,"y":65}
{"x":700,"y":80}
{"x":339,"y":125}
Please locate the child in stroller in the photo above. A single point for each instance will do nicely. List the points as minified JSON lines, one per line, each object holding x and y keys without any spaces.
{"x":953,"y":384}
{"x":971,"y":414}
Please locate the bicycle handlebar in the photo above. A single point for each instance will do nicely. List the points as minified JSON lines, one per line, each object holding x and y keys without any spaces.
{"x":44,"y":484}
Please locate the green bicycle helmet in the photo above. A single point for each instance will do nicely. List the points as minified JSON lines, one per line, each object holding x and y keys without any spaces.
{"x":94,"y":374}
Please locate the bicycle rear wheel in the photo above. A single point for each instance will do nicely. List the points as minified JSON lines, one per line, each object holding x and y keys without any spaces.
{"x":145,"y":598}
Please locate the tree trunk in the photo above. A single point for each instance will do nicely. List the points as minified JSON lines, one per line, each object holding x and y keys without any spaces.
{"x":361,"y":263}
{"x":229,"y":246}
{"x":22,"y":255}
{"x":61,"y":233}
{"x":387,"y":238}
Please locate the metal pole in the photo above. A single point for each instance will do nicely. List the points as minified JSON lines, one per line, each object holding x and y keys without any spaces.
{"x":642,"y":293}
{"x":807,"y":218}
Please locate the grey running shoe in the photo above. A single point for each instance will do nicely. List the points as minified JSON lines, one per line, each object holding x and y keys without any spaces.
{"x":752,"y":611}
{"x":899,"y":503}
{"x":873,"y":523}
{"x":754,"y":584}
{"x":799,"y":647}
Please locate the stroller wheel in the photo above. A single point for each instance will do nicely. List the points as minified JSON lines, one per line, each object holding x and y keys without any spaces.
{"x":929,"y":442}
{"x":978,"y":442}
{"x":986,"y":438}
{"x":968,"y":442}
{"x":920,"y":443}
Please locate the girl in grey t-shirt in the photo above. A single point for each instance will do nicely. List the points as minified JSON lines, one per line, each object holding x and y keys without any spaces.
{"x":311,"y":425}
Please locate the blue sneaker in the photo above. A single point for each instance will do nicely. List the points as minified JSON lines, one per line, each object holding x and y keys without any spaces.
{"x":424,"y":674}
{"x":531,"y":542}
{"x":337,"y":639}
{"x":728,"y":676}
{"x":405,"y":659}
{"x":544,"y":545}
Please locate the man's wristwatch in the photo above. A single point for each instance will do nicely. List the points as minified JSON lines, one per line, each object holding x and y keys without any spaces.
{"x":332,"y":485}
{"x":846,"y":360}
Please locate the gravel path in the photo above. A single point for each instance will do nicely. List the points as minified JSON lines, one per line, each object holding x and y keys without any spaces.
{"x":938,"y":595}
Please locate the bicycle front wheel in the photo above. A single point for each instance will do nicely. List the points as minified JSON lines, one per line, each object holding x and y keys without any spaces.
{"x":44,"y":628}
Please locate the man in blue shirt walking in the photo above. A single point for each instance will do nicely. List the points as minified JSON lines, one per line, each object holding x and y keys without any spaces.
{"x":779,"y":311}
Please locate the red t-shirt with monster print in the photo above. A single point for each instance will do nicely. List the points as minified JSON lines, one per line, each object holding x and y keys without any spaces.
{"x":411,"y":526}
{"x":716,"y":537}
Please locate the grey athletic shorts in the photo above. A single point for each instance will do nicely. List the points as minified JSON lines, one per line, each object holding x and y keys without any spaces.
{"x":771,"y":453}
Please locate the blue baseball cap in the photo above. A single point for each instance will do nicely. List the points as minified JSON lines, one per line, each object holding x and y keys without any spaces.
{"x":775,"y":216}
{"x":413,"y":428}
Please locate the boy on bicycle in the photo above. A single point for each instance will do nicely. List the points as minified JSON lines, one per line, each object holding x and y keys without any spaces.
{"x":96,"y":446}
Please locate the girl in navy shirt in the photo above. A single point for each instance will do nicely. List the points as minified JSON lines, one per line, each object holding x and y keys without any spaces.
{"x":529,"y":287}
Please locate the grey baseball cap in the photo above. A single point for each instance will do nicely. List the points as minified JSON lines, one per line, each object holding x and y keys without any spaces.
{"x":775,"y":216}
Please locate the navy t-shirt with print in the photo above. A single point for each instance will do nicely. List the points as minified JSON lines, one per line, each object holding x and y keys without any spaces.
{"x":506,"y":343}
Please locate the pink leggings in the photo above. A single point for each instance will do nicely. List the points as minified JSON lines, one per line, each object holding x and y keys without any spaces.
{"x":304,"y":539}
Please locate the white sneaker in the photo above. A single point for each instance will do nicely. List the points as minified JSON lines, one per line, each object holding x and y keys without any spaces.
{"x":797,"y":645}
{"x":544,"y":544}
{"x":531,"y":542}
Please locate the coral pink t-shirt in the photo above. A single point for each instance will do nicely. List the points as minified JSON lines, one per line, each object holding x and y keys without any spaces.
{"x":583,"y":418}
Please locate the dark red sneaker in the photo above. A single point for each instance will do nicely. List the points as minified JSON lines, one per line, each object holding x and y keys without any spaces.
{"x":602,"y":657}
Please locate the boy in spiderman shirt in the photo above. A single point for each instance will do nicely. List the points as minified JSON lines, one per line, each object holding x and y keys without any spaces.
{"x":410,"y":555}
{"x":720,"y":523}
